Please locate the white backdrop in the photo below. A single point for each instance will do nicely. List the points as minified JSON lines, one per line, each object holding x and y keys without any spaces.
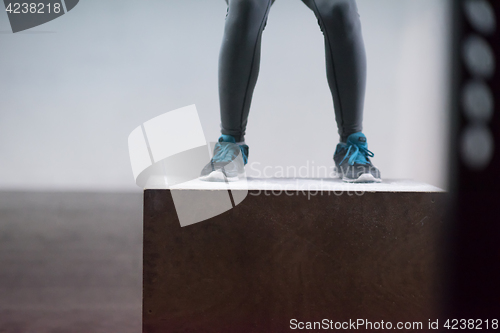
{"x":73,"y":89}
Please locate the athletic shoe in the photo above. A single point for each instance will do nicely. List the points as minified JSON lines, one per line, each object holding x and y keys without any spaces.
{"x":225,"y":165}
{"x":352,"y":161}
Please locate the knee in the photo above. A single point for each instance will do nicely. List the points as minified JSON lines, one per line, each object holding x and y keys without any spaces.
{"x":343,"y":15}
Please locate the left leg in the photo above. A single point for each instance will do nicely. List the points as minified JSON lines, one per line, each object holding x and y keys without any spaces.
{"x":346,"y":73}
{"x":345,"y":60}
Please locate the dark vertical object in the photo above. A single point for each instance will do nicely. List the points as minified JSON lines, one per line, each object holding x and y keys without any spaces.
{"x":474,"y":233}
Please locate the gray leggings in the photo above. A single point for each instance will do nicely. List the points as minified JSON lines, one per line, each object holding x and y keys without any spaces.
{"x":240,"y":58}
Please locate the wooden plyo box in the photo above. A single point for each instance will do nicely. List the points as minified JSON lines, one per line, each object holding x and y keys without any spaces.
{"x":273,"y":258}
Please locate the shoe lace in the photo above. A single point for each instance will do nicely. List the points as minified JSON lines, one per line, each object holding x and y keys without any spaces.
{"x":359,"y":155}
{"x":222,"y":154}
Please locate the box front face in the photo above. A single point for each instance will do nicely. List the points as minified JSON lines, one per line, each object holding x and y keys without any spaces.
{"x":273,"y":259}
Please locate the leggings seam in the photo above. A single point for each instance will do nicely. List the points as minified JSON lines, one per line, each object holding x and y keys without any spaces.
{"x":251,"y":67}
{"x":333,"y":68}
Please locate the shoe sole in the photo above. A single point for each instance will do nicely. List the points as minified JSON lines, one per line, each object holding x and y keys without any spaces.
{"x":218,"y":176}
{"x":364,"y":178}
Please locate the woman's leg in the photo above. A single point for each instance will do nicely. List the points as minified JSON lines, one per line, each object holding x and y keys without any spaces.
{"x":239,"y":62}
{"x":345,"y":60}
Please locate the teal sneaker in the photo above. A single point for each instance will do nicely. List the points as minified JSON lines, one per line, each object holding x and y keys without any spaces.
{"x":352,"y":161}
{"x":224,"y":165}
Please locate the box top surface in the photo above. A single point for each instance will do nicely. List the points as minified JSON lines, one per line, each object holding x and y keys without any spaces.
{"x":308,"y":184}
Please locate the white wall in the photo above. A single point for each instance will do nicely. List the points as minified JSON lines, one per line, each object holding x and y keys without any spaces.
{"x":74,"y":88}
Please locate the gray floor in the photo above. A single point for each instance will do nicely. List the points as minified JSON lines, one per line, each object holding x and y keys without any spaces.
{"x":70,"y":262}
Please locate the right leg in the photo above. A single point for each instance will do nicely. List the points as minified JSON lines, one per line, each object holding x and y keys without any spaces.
{"x":239,"y":62}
